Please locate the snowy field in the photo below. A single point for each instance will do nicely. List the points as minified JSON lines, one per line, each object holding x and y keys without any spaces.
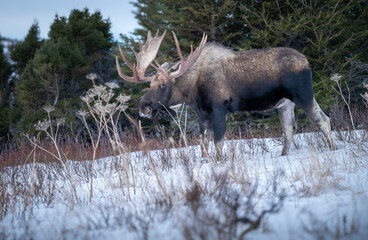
{"x":314,"y":193}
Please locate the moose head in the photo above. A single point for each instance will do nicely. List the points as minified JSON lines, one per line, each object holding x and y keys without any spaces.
{"x":156,"y":102}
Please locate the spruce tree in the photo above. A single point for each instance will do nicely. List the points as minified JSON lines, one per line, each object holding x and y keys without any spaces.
{"x":24,"y":51}
{"x":220,"y":20}
{"x":5,"y":71}
{"x":56,"y":74}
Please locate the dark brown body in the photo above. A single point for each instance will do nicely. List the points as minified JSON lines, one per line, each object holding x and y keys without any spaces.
{"x":222,"y":81}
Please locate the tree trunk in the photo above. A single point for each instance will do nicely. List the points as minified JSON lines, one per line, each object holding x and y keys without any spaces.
{"x":213,"y":28}
{"x":57,"y":91}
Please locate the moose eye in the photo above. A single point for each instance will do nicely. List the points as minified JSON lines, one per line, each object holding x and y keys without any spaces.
{"x":163,"y":86}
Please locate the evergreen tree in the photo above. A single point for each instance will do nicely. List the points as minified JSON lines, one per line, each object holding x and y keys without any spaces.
{"x":24,"y":51}
{"x":220,"y":20}
{"x":53,"y":73}
{"x":5,"y":71}
{"x":56,"y":75}
{"x":92,"y":35}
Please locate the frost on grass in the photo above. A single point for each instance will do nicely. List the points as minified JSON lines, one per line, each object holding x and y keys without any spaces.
{"x":313,"y":193}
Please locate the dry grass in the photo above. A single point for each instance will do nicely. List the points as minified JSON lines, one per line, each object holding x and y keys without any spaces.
{"x":235,"y":193}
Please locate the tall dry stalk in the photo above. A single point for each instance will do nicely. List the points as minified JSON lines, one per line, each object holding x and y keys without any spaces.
{"x":182,"y":112}
{"x":337,"y":78}
{"x":47,"y":126}
{"x":365,"y":95}
{"x":102,"y":109}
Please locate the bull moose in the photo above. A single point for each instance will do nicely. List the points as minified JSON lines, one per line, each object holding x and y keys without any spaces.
{"x":214,"y":80}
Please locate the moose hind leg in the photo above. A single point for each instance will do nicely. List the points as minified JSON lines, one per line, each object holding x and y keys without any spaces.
{"x":286,"y":111}
{"x":318,"y":117}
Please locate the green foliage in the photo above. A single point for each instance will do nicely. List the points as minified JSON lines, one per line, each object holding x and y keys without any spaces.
{"x":56,"y":74}
{"x":5,"y":71}
{"x":90,"y":31}
{"x":220,"y":20}
{"x":330,"y":33}
{"x":24,"y":51}
{"x":55,"y":67}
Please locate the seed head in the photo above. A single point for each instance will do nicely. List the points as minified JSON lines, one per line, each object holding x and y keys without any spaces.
{"x":49,"y":108}
{"x":82,"y":114}
{"x":123,"y":98}
{"x":42,"y":125}
{"x":92,"y":76}
{"x":335,"y":77}
{"x":60,"y":121}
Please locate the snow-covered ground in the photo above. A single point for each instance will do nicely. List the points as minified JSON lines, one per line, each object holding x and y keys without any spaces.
{"x":314,"y":193}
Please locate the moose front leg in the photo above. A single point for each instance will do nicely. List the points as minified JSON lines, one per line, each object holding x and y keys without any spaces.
{"x":219,"y":129}
{"x":206,"y":132}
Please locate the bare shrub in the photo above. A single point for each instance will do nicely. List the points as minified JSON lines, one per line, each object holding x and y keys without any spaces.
{"x":222,"y":212}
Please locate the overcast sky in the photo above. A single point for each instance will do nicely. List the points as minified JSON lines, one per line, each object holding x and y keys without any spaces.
{"x":17,"y":16}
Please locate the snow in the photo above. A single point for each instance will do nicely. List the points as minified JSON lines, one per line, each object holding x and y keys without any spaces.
{"x":177,"y":194}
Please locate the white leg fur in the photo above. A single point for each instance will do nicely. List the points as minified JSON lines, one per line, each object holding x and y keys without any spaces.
{"x":322,"y":121}
{"x":286,"y":111}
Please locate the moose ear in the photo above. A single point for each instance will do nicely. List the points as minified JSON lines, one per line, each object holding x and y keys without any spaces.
{"x":165,"y":66}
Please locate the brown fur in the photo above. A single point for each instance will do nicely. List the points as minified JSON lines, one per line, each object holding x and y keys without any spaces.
{"x":224,"y":81}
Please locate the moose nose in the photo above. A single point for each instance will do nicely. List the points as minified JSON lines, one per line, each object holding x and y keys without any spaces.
{"x":146,"y":112}
{"x":145,"y":108}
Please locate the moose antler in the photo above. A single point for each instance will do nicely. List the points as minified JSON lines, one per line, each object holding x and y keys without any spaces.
{"x":193,"y":56}
{"x":144,"y":58}
{"x":148,"y":53}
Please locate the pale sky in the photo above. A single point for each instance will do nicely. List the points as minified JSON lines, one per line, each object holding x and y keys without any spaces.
{"x":17,"y":16}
